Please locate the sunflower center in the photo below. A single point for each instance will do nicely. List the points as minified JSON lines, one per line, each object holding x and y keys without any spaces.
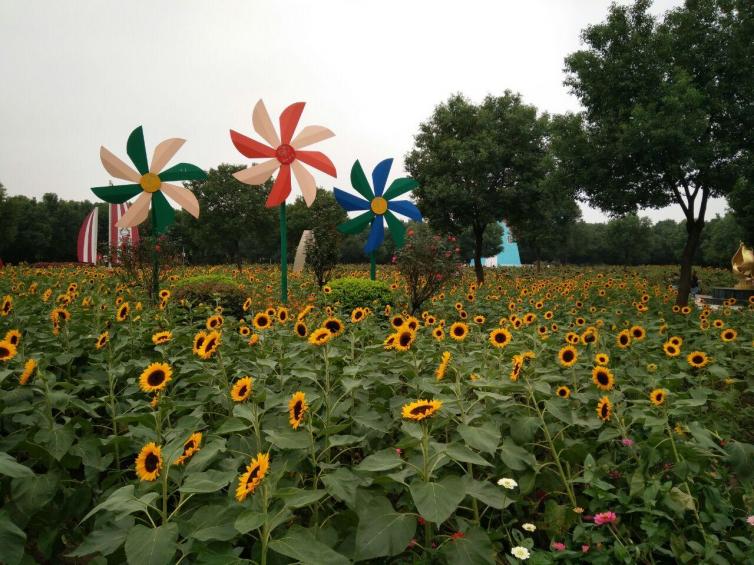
{"x":253,"y":474}
{"x":4,"y":352}
{"x":297,"y":410}
{"x":604,"y":410}
{"x":301,"y":330}
{"x":333,"y":326}
{"x":379,"y":205}
{"x":568,"y":355}
{"x":500,"y":338}
{"x":602,"y":378}
{"x":562,"y":392}
{"x":156,"y":377}
{"x":423,"y":409}
{"x":242,"y":390}
{"x":189,"y":445}
{"x":405,"y":339}
{"x":151,"y":462}
{"x":150,"y":182}
{"x":285,"y":154}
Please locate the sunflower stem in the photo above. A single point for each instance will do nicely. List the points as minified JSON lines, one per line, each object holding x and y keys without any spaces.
{"x":325,"y":352}
{"x":165,"y":516}
{"x":113,"y":406}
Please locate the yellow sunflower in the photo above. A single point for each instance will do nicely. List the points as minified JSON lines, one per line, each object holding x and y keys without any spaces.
{"x":7,"y":351}
{"x":149,"y":462}
{"x":121,"y":315}
{"x":623,"y":339}
{"x":283,"y":315}
{"x":567,"y":356}
{"x":214,"y":322}
{"x":657,"y":396}
{"x":676,"y":340}
{"x":357,"y":315}
{"x":638,"y":333}
{"x":301,"y":329}
{"x":7,"y":305}
{"x":604,"y":408}
{"x":420,"y":409}
{"x":155,"y":377}
{"x":389,"y":342}
{"x":602,"y":359}
{"x":199,"y":342}
{"x":404,"y":339}
{"x":246,"y":305}
{"x":162,"y":337}
{"x":102,"y":340}
{"x":458,"y":331}
{"x":603,"y":378}
{"x":438,"y":333}
{"x":334,"y":326}
{"x":13,"y":337}
{"x":443,"y":366}
{"x":251,"y":479}
{"x":191,"y":446}
{"x":242,"y":389}
{"x":262,"y":321}
{"x":727,"y":335}
{"x":563,"y":391}
{"x":697,"y":359}
{"x":500,"y":338}
{"x":30,"y":367}
{"x":253,"y":340}
{"x":210,"y":345}
{"x":244,"y":331}
{"x":297,"y":408}
{"x":320,"y":336}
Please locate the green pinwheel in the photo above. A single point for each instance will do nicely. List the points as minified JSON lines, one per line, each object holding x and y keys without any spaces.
{"x":150,"y":183}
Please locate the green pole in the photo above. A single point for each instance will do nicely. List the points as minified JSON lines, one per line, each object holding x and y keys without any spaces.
{"x":283,"y":256}
{"x":372,"y":266}
{"x":155,"y":261}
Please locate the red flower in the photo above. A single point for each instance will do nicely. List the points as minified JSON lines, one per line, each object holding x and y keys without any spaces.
{"x":457,"y":535}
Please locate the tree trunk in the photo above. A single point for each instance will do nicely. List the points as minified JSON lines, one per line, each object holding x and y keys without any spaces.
{"x":478,"y":236}
{"x":694,"y":230}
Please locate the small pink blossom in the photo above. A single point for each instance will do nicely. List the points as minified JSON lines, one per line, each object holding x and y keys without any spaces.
{"x":750,"y":520}
{"x":558,"y":546}
{"x":398,"y":451}
{"x":584,"y":548}
{"x":412,"y":543}
{"x":627,"y":442}
{"x":605,"y":518}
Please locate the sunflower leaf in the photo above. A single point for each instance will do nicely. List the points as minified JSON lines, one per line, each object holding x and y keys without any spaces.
{"x":436,"y":501}
{"x":301,"y":545}
{"x":380,"y":461}
{"x":474,"y":548}
{"x":151,"y":546}
{"x":12,"y":468}
{"x":12,"y":540}
{"x":289,"y":439}
{"x":381,"y":531}
{"x":484,"y":438}
{"x":208,"y":481}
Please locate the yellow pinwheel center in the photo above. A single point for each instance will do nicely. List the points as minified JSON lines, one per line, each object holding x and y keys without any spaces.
{"x":379,"y":205}
{"x":150,"y":182}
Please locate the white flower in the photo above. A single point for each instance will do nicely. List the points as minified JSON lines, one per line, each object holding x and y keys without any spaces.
{"x":520,"y":552}
{"x":510,"y":484}
{"x":529,"y":527}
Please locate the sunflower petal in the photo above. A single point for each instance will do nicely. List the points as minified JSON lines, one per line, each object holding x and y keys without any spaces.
{"x":183,"y":197}
{"x":281,"y":188}
{"x":349,"y":202}
{"x":306,"y":182}
{"x":165,"y":151}
{"x":359,"y":181}
{"x":355,"y":225}
{"x":289,"y":120}
{"x":260,"y":118}
{"x":317,"y":160}
{"x":117,"y":194}
{"x":137,"y":212}
{"x":164,"y":215}
{"x":376,"y":235}
{"x":310,"y":135}
{"x":379,"y":176}
{"x":400,"y":186}
{"x":257,"y":174}
{"x":397,"y":229}
{"x":405,"y":208}
{"x":116,"y":167}
{"x":249,"y":147}
{"x":136,"y":150}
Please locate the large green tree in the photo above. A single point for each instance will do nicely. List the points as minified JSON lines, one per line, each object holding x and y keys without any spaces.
{"x":661,"y":116}
{"x":470,"y":160}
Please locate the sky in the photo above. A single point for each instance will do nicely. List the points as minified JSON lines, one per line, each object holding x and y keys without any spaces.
{"x":77,"y":75}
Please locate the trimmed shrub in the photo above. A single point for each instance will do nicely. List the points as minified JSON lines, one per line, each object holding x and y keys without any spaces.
{"x":215,"y":290}
{"x":350,"y":292}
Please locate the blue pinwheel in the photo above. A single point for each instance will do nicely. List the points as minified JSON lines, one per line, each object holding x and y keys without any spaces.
{"x":378,"y":205}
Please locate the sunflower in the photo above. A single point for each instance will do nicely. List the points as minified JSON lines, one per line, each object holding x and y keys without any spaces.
{"x":638,"y":333}
{"x":210,"y":345}
{"x":397,"y":321}
{"x":518,"y":364}
{"x":199,"y":339}
{"x":327,"y":289}
{"x":271,"y":312}
{"x":603,"y":378}
{"x":479,"y":319}
{"x":320,"y":336}
{"x":161,"y":337}
{"x":246,"y":305}
{"x":7,"y":351}
{"x":675,"y":340}
{"x":30,"y":367}
{"x":459,"y":331}
{"x":589,"y":335}
{"x":357,"y":315}
{"x":155,"y":377}
{"x":602,"y":359}
{"x":262,"y":321}
{"x":389,"y":342}
{"x":404,"y":338}
{"x":573,"y":338}
{"x":438,"y":333}
{"x":255,"y":472}
{"x":604,"y":408}
{"x":567,"y":356}
{"x":623,"y":339}
{"x":500,"y":337}
{"x":305,"y":312}
{"x":191,"y":446}
{"x":102,"y":340}
{"x":242,"y":389}
{"x":164,"y":294}
{"x":334,"y":326}
{"x":657,"y":396}
{"x":214,"y":322}
{"x":686,"y":310}
{"x":443,"y":366}
{"x":727,"y":335}
{"x":253,"y":340}
{"x":7,"y":305}
{"x":563,"y":391}
{"x":718,"y":323}
{"x":297,"y":408}
{"x":244,"y":331}
{"x":420,"y":409}
{"x":149,"y":462}
{"x":697,"y":359}
{"x":121,"y":315}
{"x":301,"y":329}
{"x":13,"y":337}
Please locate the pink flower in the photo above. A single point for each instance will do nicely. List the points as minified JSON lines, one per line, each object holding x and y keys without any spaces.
{"x":627,"y":442}
{"x":750,"y":520}
{"x":605,"y":518}
{"x":398,"y":451}
{"x":584,"y":548}
{"x":558,"y":546}
{"x":412,"y":543}
{"x":394,"y":259}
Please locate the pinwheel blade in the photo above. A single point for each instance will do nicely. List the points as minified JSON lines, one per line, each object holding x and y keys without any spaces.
{"x":164,"y":151}
{"x":400,"y":186}
{"x":289,"y":120}
{"x":317,"y":160}
{"x":249,"y":147}
{"x":310,"y":135}
{"x":379,"y":176}
{"x":359,"y":181}
{"x":376,"y":235}
{"x":355,"y":225}
{"x":137,"y":212}
{"x":349,"y":202}
{"x":117,"y":194}
{"x":282,"y":187}
{"x":164,"y":215}
{"x":405,"y":208}
{"x":136,"y":150}
{"x":182,"y":171}
{"x":183,"y":197}
{"x":397,"y":229}
{"x":306,"y":182}
{"x":257,"y":174}
{"x":116,"y":167}
{"x":260,"y":118}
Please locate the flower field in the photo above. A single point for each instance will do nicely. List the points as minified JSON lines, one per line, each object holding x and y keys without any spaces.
{"x":572,"y":416}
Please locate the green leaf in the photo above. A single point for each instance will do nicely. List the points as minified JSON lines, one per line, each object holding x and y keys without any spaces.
{"x":123,"y":502}
{"x":137,"y":151}
{"x":299,"y":544}
{"x":382,"y":532}
{"x":400,"y":186}
{"x":474,"y":548}
{"x":380,"y":461}
{"x":214,"y":522}
{"x":360,"y":183}
{"x":249,"y":520}
{"x":560,"y":410}
{"x":484,"y":438}
{"x":11,"y":468}
{"x":182,"y":171}
{"x":57,"y":441}
{"x":491,"y":495}
{"x":357,"y":224}
{"x":12,"y":540}
{"x":208,"y":481}
{"x":103,"y":541}
{"x":342,"y":484}
{"x":463,"y":454}
{"x":289,"y":439}
{"x":637,"y":482}
{"x":32,"y":494}
{"x":516,"y":458}
{"x":436,"y":501}
{"x":297,"y":498}
{"x":117,"y":194}
{"x":151,"y":546}
{"x":231,"y":425}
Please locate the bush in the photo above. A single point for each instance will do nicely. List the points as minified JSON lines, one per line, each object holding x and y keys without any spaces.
{"x":351,"y":292}
{"x":214,"y":290}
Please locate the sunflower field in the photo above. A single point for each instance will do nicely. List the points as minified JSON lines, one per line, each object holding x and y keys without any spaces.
{"x":572,"y":416}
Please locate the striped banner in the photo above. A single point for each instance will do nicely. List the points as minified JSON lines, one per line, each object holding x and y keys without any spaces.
{"x":87,"y":244}
{"x":120,"y":236}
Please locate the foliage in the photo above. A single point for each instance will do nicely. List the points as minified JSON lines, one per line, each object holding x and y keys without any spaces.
{"x":135,"y":264}
{"x":353,"y":292}
{"x":492,"y":242}
{"x":212,"y":289}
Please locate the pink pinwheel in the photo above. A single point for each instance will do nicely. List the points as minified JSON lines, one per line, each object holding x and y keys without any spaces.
{"x":283,"y":152}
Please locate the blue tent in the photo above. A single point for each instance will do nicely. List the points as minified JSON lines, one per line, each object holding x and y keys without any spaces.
{"x":509,"y":256}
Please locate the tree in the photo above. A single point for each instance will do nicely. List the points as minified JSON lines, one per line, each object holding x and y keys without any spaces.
{"x":721,"y":238}
{"x":468,"y":160}
{"x":629,"y":239}
{"x":492,"y":242}
{"x":659,"y":113}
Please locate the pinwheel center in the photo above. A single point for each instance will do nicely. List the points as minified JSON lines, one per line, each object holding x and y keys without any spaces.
{"x":150,"y":182}
{"x":285,"y":154}
{"x":379,"y":205}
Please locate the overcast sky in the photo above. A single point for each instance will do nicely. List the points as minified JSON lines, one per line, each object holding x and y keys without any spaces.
{"x":79,"y":74}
